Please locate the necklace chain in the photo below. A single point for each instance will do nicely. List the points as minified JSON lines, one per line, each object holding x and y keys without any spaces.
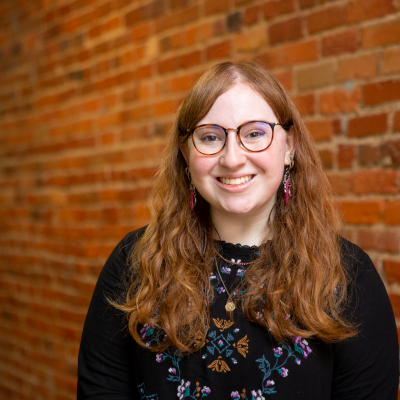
{"x":230,"y":305}
{"x":235,"y":263}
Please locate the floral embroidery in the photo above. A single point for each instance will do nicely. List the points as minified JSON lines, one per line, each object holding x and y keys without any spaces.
{"x":300,"y":346}
{"x":222,"y":324}
{"x":219,"y":365}
{"x":142,"y":392}
{"x":242,"y":346}
{"x":175,"y":372}
{"x":184,"y":390}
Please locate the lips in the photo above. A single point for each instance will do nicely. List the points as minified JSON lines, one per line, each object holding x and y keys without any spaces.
{"x":237,"y":181}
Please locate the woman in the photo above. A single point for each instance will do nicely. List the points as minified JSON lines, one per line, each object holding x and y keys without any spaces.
{"x":240,"y":286}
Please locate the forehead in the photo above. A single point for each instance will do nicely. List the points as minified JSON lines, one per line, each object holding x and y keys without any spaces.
{"x":238,"y":105}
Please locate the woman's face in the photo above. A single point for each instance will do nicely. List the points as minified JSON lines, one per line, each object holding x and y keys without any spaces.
{"x":264,"y":170}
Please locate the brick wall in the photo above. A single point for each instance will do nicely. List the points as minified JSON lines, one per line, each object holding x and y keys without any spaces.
{"x":87,"y":92}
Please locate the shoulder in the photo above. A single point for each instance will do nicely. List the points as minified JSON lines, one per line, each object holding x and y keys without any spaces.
{"x":357,"y":263}
{"x":366,"y":290}
{"x":115,"y":274}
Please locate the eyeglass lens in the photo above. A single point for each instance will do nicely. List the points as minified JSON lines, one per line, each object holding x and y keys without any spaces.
{"x":255,"y":136}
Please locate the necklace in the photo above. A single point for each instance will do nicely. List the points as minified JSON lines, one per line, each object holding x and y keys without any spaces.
{"x":234,"y":263}
{"x":230,"y":305}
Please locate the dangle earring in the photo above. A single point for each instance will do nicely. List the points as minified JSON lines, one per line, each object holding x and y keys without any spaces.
{"x":193,"y":200}
{"x":286,"y":180}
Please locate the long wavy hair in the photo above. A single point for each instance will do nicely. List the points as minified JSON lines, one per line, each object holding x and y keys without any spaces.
{"x":304,"y":282}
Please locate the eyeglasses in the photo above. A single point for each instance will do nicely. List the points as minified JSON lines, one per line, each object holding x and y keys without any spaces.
{"x":254,"y":136}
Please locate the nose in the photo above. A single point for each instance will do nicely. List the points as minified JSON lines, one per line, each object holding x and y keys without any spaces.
{"x":233,"y":155}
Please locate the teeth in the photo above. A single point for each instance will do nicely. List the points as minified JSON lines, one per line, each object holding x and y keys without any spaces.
{"x":237,"y":181}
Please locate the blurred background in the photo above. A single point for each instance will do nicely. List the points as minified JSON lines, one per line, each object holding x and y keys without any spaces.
{"x":88,"y":91}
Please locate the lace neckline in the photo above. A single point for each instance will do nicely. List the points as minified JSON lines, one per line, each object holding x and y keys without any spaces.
{"x":237,"y":246}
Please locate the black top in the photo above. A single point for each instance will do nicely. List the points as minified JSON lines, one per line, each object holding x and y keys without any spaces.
{"x":240,"y":360}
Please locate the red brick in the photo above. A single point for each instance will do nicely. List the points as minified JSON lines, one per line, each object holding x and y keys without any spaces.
{"x":290,"y":29}
{"x":392,"y":271}
{"x":272,"y":58}
{"x":386,"y":241}
{"x":396,"y":121}
{"x":214,"y":7}
{"x":381,"y":92}
{"x":369,"y":155}
{"x":392,"y":213}
{"x":178,"y":3}
{"x":342,"y":183}
{"x":305,"y":104}
{"x":273,"y":8}
{"x":358,"y":67}
{"x":220,"y":50}
{"x":251,"y":40}
{"x":346,"y":155}
{"x":252,"y":15}
{"x":362,"y":212}
{"x":321,"y":130}
{"x":286,"y":79}
{"x":140,"y":32}
{"x":178,"y":18}
{"x":368,"y":125}
{"x":326,"y":158}
{"x":145,"y":12}
{"x":381,"y":34}
{"x":361,"y":10}
{"x":315,"y":76}
{"x":390,"y":153}
{"x":306,"y":3}
{"x":376,"y":181}
{"x":168,"y":65}
{"x":338,"y":101}
{"x":164,"y":107}
{"x":391,"y":60}
{"x":183,"y":83}
{"x":338,"y":43}
{"x":326,"y":18}
{"x":300,"y":52}
{"x":395,"y":301}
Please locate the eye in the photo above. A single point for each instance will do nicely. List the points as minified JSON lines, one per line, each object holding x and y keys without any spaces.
{"x":255,"y":134}
{"x":210,"y":138}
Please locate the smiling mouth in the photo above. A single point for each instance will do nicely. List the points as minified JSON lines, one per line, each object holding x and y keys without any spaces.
{"x":237,"y":181}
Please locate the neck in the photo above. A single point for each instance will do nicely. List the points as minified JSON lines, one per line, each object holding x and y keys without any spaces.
{"x":246,"y":230}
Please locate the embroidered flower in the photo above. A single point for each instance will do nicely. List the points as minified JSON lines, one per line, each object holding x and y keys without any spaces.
{"x":259,"y":315}
{"x":182,"y":388}
{"x":172,"y":371}
{"x":234,"y":360}
{"x":212,"y":276}
{"x":236,"y":330}
{"x":240,"y":272}
{"x":257,"y":395}
{"x":226,"y":270}
{"x":144,"y":330}
{"x":298,"y":362}
{"x":284,"y":372}
{"x":221,"y":290}
{"x":278,"y":351}
{"x":204,"y":356}
{"x":220,"y":342}
{"x":235,"y":261}
{"x":206,"y":390}
{"x":235,"y":395}
{"x":269,"y":383}
{"x":159,"y":357}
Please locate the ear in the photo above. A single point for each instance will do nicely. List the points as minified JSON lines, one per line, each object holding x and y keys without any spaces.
{"x":289,"y":146}
{"x":185,"y":152}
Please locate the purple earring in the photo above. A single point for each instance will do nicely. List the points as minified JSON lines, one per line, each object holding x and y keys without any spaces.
{"x":287,"y":184}
{"x":192,"y":188}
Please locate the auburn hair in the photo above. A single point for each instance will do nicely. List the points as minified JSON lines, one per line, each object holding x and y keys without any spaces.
{"x":304,"y":281}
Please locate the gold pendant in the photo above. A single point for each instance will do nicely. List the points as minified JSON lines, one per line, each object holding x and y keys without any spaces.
{"x":229,"y":306}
